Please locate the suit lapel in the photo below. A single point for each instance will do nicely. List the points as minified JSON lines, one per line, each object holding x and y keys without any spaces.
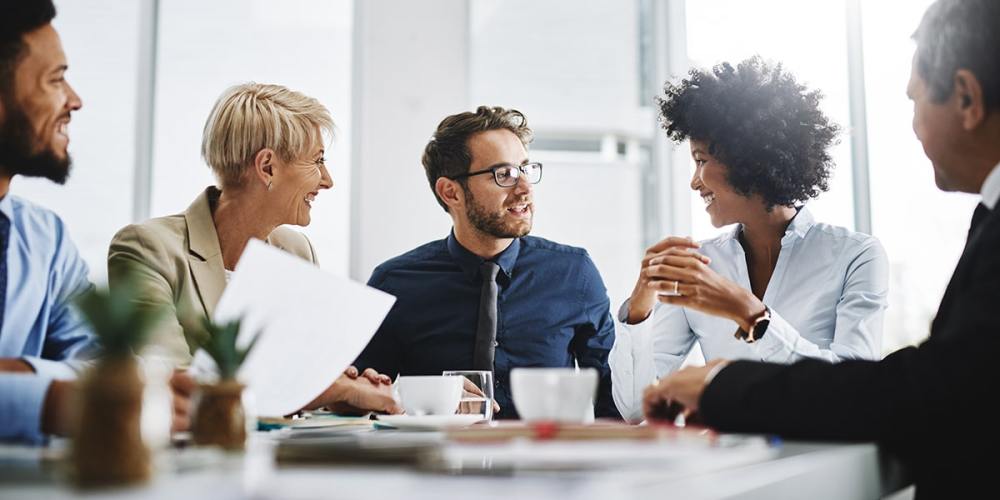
{"x":960,"y":278}
{"x":204,"y":253}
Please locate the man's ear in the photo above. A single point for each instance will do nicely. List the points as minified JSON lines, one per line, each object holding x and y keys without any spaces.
{"x":969,"y":100}
{"x":450,"y":192}
{"x":263,"y":166}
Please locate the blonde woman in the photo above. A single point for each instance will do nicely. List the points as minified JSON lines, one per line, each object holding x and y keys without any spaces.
{"x":265,"y":145}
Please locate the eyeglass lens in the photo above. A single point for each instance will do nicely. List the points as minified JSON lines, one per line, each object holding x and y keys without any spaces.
{"x":508,"y":176}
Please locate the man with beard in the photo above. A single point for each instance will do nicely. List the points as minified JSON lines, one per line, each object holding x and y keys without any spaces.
{"x":42,"y":337}
{"x":490,"y":297}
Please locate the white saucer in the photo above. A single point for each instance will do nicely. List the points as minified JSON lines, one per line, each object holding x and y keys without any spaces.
{"x":428,"y":422}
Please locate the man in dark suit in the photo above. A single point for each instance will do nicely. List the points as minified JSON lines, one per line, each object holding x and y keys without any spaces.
{"x":933,"y":405}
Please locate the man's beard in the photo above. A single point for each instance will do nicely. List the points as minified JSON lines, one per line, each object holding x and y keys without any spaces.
{"x":491,"y":223}
{"x":17,"y":145}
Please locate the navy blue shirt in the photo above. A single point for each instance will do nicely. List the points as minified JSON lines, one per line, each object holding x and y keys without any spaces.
{"x":552,"y":310}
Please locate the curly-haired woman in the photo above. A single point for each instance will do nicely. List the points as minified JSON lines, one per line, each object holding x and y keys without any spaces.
{"x":781,"y":286}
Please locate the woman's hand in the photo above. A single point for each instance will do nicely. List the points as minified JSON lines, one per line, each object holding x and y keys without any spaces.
{"x":682,"y":277}
{"x":644,"y":295}
{"x":182,"y":387}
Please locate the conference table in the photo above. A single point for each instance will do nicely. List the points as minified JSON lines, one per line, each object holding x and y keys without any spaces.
{"x":377,"y":463}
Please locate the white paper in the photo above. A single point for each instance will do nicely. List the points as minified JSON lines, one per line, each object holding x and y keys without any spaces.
{"x":688,"y":453}
{"x":312,"y":325}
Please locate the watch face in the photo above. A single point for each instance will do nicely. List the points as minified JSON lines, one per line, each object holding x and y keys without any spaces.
{"x":760,"y":328}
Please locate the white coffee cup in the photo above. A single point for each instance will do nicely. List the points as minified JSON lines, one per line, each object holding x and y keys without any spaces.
{"x":430,"y":394}
{"x":554,"y":394}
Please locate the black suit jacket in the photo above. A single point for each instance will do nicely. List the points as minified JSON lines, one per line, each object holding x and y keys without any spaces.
{"x":933,"y":406}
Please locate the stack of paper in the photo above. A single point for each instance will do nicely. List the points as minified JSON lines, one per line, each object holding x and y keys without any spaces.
{"x":311,"y":324}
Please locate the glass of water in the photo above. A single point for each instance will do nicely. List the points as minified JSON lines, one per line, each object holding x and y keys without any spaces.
{"x":477,"y":393}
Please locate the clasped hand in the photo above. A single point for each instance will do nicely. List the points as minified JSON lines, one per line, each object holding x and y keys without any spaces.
{"x":356,"y":393}
{"x":674,"y":272}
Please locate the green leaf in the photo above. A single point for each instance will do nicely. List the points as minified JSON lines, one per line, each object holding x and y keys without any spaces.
{"x":219,"y":342}
{"x":122,"y":324}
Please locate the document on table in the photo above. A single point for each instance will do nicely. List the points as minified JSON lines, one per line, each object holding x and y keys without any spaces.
{"x":311,"y":326}
{"x":680,"y":454}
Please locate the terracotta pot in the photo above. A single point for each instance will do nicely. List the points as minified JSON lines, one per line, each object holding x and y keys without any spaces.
{"x":107,"y":448}
{"x":219,"y":419}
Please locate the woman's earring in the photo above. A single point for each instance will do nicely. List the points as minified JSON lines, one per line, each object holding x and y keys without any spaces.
{"x":268,"y":185}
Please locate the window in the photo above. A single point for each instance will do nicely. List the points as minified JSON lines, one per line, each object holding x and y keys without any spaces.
{"x":584,"y":77}
{"x":809,"y":39}
{"x":205,"y":48}
{"x":100,"y":40}
{"x":923,"y":229}
{"x":578,"y":83}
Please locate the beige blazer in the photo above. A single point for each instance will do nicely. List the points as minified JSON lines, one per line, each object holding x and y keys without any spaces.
{"x":179,"y":265}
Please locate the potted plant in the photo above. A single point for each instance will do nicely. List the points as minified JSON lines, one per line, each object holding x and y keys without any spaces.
{"x":219,"y":418}
{"x":107,"y":445}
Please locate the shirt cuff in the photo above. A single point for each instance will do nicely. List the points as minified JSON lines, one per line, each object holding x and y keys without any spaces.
{"x":631,"y":362}
{"x":714,"y":371}
{"x":22,"y":397}
{"x":60,"y":370}
{"x":623,"y":314}
{"x":778,"y":341}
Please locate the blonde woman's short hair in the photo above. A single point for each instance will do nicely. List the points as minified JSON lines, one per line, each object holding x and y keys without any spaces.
{"x":253,"y":116}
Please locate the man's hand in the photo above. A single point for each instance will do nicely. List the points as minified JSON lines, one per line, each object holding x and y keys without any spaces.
{"x":470,"y":389}
{"x":182,"y":386}
{"x":15,"y":365}
{"x":370,"y":374}
{"x":358,"y":394}
{"x":58,"y":406}
{"x":679,"y":392}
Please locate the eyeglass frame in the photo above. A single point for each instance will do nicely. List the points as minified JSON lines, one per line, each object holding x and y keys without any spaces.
{"x":493,"y":170}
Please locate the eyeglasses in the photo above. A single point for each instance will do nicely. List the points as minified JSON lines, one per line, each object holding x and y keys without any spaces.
{"x":507,"y":175}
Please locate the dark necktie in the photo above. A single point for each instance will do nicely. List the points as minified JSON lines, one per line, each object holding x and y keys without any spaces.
{"x":486,"y":330}
{"x":4,"y":237}
{"x":977,"y":219}
{"x":978,"y":216}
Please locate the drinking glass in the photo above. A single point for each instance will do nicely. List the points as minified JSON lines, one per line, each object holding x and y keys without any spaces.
{"x":477,"y":393}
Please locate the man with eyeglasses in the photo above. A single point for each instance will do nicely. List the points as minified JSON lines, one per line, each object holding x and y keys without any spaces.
{"x":490,"y":297}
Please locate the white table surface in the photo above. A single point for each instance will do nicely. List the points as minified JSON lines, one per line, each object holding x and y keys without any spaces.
{"x":787,"y":470}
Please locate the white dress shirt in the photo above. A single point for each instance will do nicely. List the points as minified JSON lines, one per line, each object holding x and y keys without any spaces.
{"x":827,"y":296}
{"x":991,"y":188}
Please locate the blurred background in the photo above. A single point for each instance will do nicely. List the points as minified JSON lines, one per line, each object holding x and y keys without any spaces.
{"x":585,"y":72}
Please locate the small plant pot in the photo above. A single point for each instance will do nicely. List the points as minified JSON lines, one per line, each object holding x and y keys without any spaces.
{"x":219,"y":419}
{"x":107,"y":447}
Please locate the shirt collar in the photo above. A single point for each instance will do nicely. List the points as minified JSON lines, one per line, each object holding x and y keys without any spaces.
{"x":7,"y":207}
{"x":470,"y":262}
{"x":797,"y":228}
{"x":800,"y":225}
{"x":991,"y":188}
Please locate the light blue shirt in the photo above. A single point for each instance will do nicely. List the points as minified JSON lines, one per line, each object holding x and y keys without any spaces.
{"x":40,"y":324}
{"x":827,"y":298}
